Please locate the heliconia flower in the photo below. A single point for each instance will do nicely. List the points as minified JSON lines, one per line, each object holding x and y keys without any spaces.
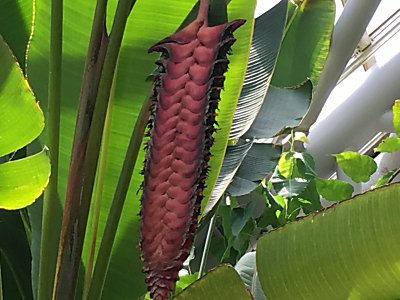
{"x":186,"y":92}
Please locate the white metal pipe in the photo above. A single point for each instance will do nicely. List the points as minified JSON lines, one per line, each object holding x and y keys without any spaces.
{"x":386,"y":162}
{"x":346,"y":35}
{"x":357,"y":119}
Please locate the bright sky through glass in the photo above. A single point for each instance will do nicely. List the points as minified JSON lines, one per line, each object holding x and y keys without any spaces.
{"x":382,"y":56}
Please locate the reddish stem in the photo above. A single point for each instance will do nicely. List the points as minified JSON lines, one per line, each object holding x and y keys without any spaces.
{"x":203,"y":12}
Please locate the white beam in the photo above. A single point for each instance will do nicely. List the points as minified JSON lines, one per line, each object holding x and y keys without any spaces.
{"x":347,"y":33}
{"x":358,"y":118}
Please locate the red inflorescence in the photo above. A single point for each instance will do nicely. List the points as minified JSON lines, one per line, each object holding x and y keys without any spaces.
{"x":186,"y":94}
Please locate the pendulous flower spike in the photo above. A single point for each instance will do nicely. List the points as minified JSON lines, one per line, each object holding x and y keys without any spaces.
{"x":186,"y":90}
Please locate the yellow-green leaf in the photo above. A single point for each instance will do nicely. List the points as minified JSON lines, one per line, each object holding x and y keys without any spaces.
{"x":357,"y":166}
{"x":23,"y":180}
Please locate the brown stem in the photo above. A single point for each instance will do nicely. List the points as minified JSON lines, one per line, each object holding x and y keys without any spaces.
{"x":68,"y":253}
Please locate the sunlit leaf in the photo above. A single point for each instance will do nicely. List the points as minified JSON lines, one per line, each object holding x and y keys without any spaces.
{"x":349,"y":251}
{"x":21,"y":121}
{"x":384,"y":179}
{"x":286,"y":164}
{"x":22,"y":181}
{"x":209,"y":286}
{"x":357,"y":166}
{"x":396,"y":117}
{"x":390,"y":144}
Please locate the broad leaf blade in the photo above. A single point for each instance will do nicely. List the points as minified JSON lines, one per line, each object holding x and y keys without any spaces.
{"x":233,"y":157}
{"x":334,"y":190}
{"x":263,"y":53}
{"x":16,"y":25}
{"x":267,"y":37}
{"x":246,"y":267}
{"x":282,"y":108}
{"x":390,"y":144}
{"x":259,"y":161}
{"x":21,"y":119}
{"x":22,"y":181}
{"x":306,"y":43}
{"x":351,"y":250}
{"x":233,"y":85}
{"x":357,"y":166}
{"x":209,"y":286}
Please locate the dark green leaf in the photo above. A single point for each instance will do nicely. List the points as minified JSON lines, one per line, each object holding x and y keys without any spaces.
{"x":268,"y":30}
{"x":267,"y":37}
{"x":240,"y":186}
{"x":240,"y":216}
{"x":233,"y":157}
{"x":288,"y":187}
{"x":16,"y":26}
{"x":305,"y":164}
{"x":241,"y":242}
{"x":282,"y":108}
{"x":15,"y":257}
{"x":260,"y":160}
{"x":310,"y":194}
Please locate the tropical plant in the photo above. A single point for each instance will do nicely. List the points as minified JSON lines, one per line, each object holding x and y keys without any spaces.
{"x":257,"y":181}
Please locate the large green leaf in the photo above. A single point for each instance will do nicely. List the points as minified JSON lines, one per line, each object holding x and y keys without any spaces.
{"x":358,"y":167}
{"x":282,"y":108}
{"x":150,"y":21}
{"x":21,"y":121}
{"x":306,"y":43}
{"x":234,"y":156}
{"x":19,"y":14}
{"x":259,"y":161}
{"x":305,"y":48}
{"x":246,"y":267}
{"x":349,"y":251}
{"x":210,"y":286}
{"x":268,"y":32}
{"x":23,"y":181}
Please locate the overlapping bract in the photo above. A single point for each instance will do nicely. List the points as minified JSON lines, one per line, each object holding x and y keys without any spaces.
{"x":186,"y":94}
